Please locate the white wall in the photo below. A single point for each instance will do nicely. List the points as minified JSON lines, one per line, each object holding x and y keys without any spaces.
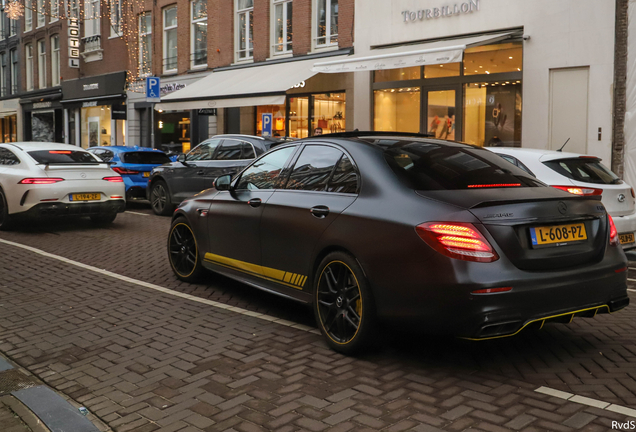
{"x":563,"y":33}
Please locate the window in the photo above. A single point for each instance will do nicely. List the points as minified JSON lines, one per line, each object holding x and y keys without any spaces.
{"x":115,"y":18}
{"x":199,"y":36}
{"x":586,"y":170}
{"x":327,"y":23}
{"x":397,"y":110}
{"x":3,"y":74}
{"x":244,"y":29}
{"x":283,"y":29}
{"x":55,"y":157}
{"x":235,"y":150}
{"x":104,"y":155}
{"x":170,"y":39}
{"x":13,"y":27}
{"x":3,"y":25}
{"x":263,"y":174}
{"x":345,"y":177}
{"x":41,"y":64}
{"x":40,"y":13}
{"x":55,"y":10}
{"x":8,"y":158}
{"x":204,"y":151}
{"x":28,"y":15}
{"x":490,"y":59}
{"x":14,"y":70}
{"x":91,"y":18}
{"x":145,"y":44}
{"x":29,"y":66}
{"x":73,"y":8}
{"x":313,"y":168}
{"x":145,"y":158}
{"x":55,"y":60}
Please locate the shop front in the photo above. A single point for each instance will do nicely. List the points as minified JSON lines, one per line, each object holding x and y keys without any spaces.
{"x":9,"y":110}
{"x":95,"y":109}
{"x":43,"y":119}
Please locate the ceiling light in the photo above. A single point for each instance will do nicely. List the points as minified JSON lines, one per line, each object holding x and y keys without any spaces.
{"x":510,"y":58}
{"x":488,"y":72}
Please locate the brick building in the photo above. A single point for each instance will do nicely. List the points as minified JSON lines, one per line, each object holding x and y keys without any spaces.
{"x":9,"y":79}
{"x":188,"y":43}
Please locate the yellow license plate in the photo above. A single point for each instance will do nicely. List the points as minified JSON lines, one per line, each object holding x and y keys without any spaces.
{"x":626,"y":238}
{"x":558,"y":235}
{"x":147,"y":174}
{"x":86,"y":197}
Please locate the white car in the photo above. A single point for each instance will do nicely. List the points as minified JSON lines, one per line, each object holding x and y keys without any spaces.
{"x":48,"y":179}
{"x":580,"y":175}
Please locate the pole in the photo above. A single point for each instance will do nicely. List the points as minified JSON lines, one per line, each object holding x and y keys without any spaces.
{"x":152,"y":126}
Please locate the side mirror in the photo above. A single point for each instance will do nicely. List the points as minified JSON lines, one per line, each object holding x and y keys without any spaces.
{"x":182,"y":158}
{"x":223,"y":183}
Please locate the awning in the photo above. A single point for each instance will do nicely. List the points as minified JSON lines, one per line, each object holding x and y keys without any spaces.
{"x":430,"y":53}
{"x":249,"y":86}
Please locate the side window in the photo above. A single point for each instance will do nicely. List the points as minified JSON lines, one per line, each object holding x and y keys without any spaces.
{"x":264,"y":172}
{"x":345,"y":177}
{"x":229,"y":150}
{"x":106,"y":155}
{"x":247,"y":151}
{"x":313,"y":168}
{"x":203,"y":151}
{"x":8,"y":158}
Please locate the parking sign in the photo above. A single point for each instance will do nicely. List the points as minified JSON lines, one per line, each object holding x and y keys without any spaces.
{"x":267,"y":124}
{"x":153,"y":93}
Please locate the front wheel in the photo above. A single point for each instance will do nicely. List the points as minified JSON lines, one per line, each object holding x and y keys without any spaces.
{"x":183,"y":252}
{"x":160,"y":199}
{"x":343,"y":304}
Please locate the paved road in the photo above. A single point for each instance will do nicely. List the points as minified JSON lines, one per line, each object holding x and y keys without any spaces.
{"x":145,"y":360}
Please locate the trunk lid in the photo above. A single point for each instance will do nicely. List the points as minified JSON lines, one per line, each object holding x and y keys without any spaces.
{"x":79,"y":172}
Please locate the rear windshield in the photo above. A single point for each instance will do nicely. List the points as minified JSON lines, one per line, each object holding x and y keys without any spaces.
{"x":586,"y":170}
{"x":145,"y":158}
{"x":64,"y":157}
{"x":436,"y":166}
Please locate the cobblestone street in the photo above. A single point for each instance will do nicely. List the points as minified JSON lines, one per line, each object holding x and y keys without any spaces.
{"x":144,"y":359}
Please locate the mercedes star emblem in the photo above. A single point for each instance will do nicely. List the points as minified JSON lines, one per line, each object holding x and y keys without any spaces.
{"x":621,"y":197}
{"x":563,"y":208}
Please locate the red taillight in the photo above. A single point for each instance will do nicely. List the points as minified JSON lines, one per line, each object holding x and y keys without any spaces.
{"x":44,"y":180}
{"x":60,"y":152}
{"x":114,"y":179}
{"x":613,"y":240}
{"x":122,"y":171}
{"x":492,"y":290}
{"x":581,"y":191}
{"x":495,"y":185}
{"x":633,"y":194}
{"x":457,"y":240}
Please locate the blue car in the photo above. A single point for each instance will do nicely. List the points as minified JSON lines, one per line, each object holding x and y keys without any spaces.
{"x":134,"y":164}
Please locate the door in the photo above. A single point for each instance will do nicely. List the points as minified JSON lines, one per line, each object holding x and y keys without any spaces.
{"x":187,"y":180}
{"x":234,"y":216}
{"x":230,"y":158}
{"x":93,"y":131}
{"x":441,"y":114}
{"x":568,"y":109}
{"x":322,"y":184}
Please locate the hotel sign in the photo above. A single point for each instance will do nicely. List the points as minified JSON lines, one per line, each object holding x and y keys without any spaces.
{"x":73,"y":43}
{"x":441,"y":12}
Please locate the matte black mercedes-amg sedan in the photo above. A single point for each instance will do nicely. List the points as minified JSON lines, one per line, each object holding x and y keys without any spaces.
{"x":370,"y":227}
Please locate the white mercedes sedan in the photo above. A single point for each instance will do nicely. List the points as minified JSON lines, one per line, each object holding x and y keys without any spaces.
{"x":580,"y":175}
{"x":41,"y":180}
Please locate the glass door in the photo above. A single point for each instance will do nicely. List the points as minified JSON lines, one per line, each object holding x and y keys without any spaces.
{"x":441,"y":114}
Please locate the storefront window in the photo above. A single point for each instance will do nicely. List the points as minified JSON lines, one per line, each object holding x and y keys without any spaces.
{"x":174,"y":131}
{"x":299,"y":117}
{"x":96,"y":126}
{"x":442,"y":70}
{"x":278,"y":125}
{"x":9,"y":128}
{"x":492,"y":113}
{"x":43,"y":126}
{"x":400,"y":74}
{"x":397,"y":110}
{"x":329,"y":113}
{"x":488,"y":59}
{"x":440,"y":114}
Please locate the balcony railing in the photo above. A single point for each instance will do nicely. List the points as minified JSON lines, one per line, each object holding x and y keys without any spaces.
{"x":92,"y":43}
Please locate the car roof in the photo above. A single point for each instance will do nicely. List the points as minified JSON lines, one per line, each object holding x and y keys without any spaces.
{"x":30,"y":146}
{"x":124,"y":149}
{"x":538,"y":154}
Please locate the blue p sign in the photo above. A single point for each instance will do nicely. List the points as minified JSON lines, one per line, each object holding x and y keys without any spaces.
{"x":153,"y":93}
{"x":267,"y":124}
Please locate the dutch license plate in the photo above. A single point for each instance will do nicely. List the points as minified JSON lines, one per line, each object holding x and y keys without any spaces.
{"x":558,"y":235}
{"x":626,"y":238}
{"x":147,"y":174}
{"x":86,"y":197}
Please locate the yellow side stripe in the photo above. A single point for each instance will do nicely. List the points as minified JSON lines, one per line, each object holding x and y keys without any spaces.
{"x":280,"y":276}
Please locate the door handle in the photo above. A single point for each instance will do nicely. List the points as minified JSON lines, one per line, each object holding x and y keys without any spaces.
{"x":200,"y":172}
{"x":255,"y":202}
{"x":320,"y":211}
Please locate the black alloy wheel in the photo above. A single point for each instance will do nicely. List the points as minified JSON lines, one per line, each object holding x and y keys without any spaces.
{"x":160,"y":199}
{"x":183,"y":252}
{"x":343,"y":304}
{"x":5,"y":218}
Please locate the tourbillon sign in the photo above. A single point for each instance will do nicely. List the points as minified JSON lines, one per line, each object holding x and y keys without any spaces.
{"x":441,"y":12}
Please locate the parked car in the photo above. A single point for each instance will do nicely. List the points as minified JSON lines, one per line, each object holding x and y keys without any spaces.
{"x":47,"y":179}
{"x":371,"y":227}
{"x":134,"y":164}
{"x":195,"y":171}
{"x":581,"y":175}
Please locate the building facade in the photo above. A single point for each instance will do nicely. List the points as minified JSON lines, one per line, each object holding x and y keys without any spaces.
{"x":10,"y":75}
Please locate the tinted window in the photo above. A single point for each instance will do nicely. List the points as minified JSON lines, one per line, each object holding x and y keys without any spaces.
{"x":313,"y":168}
{"x":8,"y":158}
{"x":105,"y":155}
{"x":587,"y":170}
{"x":63,"y":157}
{"x":517,"y":162}
{"x":345,"y":177}
{"x":264,"y":172}
{"x":235,"y":150}
{"x":144,"y":158}
{"x":203,"y":151}
{"x":433,"y":166}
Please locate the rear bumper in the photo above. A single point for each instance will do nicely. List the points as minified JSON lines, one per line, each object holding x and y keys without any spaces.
{"x":47,"y":210}
{"x":624,"y":225}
